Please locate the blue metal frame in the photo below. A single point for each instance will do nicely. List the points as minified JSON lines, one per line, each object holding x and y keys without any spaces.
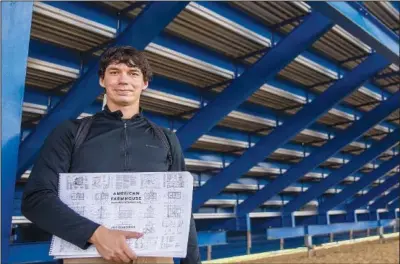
{"x":16,"y":21}
{"x":313,"y":230}
{"x":341,"y":227}
{"x":310,"y":113}
{"x":30,"y":253}
{"x":285,"y":232}
{"x":362,"y":25}
{"x":355,"y":164}
{"x":253,"y":78}
{"x":384,"y":200}
{"x":211,"y":238}
{"x":395,"y":204}
{"x":371,"y":194}
{"x":86,"y":89}
{"x":360,"y":184}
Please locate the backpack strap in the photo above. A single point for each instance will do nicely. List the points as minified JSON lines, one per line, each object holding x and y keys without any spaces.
{"x":161,"y":135}
{"x":82,"y":132}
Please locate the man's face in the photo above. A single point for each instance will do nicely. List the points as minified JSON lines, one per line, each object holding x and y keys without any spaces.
{"x":123,"y":84}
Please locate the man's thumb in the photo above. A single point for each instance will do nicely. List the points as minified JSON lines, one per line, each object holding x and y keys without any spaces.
{"x":132,"y":234}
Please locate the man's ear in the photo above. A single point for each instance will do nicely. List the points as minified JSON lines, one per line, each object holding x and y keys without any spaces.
{"x":101,"y":82}
{"x":146,"y":84}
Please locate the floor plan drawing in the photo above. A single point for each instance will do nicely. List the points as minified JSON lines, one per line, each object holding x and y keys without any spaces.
{"x":152,"y":203}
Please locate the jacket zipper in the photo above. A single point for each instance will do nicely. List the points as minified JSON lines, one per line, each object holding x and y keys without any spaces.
{"x":126,"y":147}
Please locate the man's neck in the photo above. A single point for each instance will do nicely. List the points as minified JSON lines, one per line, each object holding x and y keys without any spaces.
{"x":128,"y":111}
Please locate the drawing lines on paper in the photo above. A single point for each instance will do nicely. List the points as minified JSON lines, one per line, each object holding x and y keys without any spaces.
{"x":77,"y":182}
{"x":125,"y":181}
{"x":101,"y":182}
{"x":102,"y":196}
{"x":174,"y":211}
{"x":150,"y":181}
{"x":149,"y":212}
{"x":79,"y":196}
{"x":100,"y":212}
{"x":146,"y":243}
{"x":174,"y":195}
{"x":150,"y":196}
{"x":168,"y":242}
{"x":79,"y":209}
{"x":125,"y":212}
{"x":149,"y":228}
{"x":174,"y":180}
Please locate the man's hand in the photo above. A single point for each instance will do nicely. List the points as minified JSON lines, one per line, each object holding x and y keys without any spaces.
{"x":111,"y":244}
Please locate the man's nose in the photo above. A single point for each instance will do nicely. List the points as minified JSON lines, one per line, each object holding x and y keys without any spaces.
{"x":123,"y":78}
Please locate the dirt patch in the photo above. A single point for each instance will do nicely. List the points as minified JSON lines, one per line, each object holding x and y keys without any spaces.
{"x":364,"y":252}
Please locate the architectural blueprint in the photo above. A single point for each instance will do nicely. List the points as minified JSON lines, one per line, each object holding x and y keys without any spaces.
{"x":156,"y":204}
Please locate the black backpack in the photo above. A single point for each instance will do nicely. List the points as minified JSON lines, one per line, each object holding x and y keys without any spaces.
{"x":84,"y":127}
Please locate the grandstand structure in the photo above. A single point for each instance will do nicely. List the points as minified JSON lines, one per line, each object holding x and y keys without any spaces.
{"x":287,"y":112}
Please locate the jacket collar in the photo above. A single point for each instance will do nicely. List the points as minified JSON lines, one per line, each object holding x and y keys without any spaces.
{"x":118,"y":114}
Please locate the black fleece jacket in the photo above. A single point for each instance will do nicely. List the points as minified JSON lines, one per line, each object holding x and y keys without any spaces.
{"x":112,"y":145}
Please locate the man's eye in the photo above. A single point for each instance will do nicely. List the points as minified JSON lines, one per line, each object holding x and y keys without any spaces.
{"x":133,"y":73}
{"x":113,"y":72}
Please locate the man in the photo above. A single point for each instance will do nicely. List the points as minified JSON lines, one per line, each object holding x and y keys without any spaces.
{"x":120,"y":139}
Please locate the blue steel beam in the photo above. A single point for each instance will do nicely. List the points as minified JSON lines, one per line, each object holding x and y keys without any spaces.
{"x":320,"y":155}
{"x":395,"y":204}
{"x":308,"y":114}
{"x":364,"y":181}
{"x":87,"y":88}
{"x":335,"y":177}
{"x":384,"y":200}
{"x":253,"y":78}
{"x":16,"y":18}
{"x":396,"y":4}
{"x":362,"y":25}
{"x":370,"y":195}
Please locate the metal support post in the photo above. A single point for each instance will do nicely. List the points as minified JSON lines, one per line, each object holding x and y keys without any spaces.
{"x":209,"y":251}
{"x":248,"y":234}
{"x":16,"y":18}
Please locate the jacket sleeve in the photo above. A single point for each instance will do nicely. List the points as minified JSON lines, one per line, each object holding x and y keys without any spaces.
{"x":193,"y":254}
{"x":40,"y":202}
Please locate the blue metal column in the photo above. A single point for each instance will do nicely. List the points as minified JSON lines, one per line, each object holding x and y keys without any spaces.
{"x":16,"y":18}
{"x":151,"y":21}
{"x":382,"y":202}
{"x":352,"y":189}
{"x":362,"y":25}
{"x":335,"y":177}
{"x":253,"y":78}
{"x":311,"y":112}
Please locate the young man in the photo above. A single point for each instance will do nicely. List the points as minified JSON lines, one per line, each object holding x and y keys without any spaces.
{"x":120,"y":139}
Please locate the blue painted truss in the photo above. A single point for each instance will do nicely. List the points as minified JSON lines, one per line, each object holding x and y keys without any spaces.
{"x":370,"y":195}
{"x":355,"y":164}
{"x":253,"y":78}
{"x":384,"y":200}
{"x":291,"y":127}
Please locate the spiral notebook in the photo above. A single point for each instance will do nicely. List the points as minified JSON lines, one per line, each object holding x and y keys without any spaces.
{"x":157,"y":204}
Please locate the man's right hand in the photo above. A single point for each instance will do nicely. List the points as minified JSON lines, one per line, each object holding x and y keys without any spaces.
{"x":111,"y":244}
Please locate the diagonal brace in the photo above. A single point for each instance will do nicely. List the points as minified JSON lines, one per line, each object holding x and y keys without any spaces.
{"x":371,"y":194}
{"x":352,"y":166}
{"x":353,"y":80}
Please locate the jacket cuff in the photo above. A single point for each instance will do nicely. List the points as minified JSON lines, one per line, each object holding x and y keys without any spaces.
{"x":87,"y":232}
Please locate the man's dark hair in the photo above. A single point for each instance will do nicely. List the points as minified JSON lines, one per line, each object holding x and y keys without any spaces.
{"x":127,"y":55}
